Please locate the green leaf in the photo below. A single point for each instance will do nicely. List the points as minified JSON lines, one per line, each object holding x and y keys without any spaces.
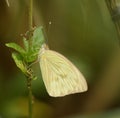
{"x":36,"y":42}
{"x":38,"y":38}
{"x":16,"y":47}
{"x":30,"y":56}
{"x":26,"y":44}
{"x":19,"y":62}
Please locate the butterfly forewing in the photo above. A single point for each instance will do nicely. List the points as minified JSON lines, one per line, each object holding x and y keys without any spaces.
{"x":60,"y":76}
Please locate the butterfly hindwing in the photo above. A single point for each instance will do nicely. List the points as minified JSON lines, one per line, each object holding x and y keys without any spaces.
{"x":60,"y":76}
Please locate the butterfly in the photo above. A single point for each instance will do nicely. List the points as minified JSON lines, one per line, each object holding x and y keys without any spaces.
{"x":60,"y":76}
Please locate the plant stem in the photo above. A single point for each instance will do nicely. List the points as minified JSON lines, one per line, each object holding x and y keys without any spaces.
{"x":114,"y":11}
{"x":30,"y":15}
{"x":30,"y":97}
{"x":29,"y":79}
{"x":30,"y":104}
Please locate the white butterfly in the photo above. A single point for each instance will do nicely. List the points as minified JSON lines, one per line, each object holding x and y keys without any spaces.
{"x":60,"y":76}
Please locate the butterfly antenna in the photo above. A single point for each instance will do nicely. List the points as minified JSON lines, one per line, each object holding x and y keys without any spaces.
{"x":46,"y":34}
{"x":49,"y":26}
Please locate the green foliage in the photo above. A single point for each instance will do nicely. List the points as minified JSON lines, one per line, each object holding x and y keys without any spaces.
{"x":16,"y":47}
{"x":35,"y":43}
{"x":19,"y":62}
{"x":27,"y":54}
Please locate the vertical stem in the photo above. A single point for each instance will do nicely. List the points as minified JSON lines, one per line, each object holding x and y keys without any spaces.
{"x":30,"y":97}
{"x":29,"y":79}
{"x":114,"y":11}
{"x":30,"y":15}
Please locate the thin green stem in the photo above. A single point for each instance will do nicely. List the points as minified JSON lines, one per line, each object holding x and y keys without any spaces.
{"x":112,"y":7}
{"x":29,"y":78}
{"x":30,"y":21}
{"x":30,"y":15}
{"x":30,"y":97}
{"x":30,"y":104}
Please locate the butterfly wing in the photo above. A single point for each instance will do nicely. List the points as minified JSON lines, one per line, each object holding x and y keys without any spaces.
{"x":60,"y":76}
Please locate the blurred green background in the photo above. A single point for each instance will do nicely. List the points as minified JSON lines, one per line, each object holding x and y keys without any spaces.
{"x":84,"y":32}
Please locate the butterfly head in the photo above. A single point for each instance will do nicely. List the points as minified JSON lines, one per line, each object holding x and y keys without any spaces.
{"x":43,"y":48}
